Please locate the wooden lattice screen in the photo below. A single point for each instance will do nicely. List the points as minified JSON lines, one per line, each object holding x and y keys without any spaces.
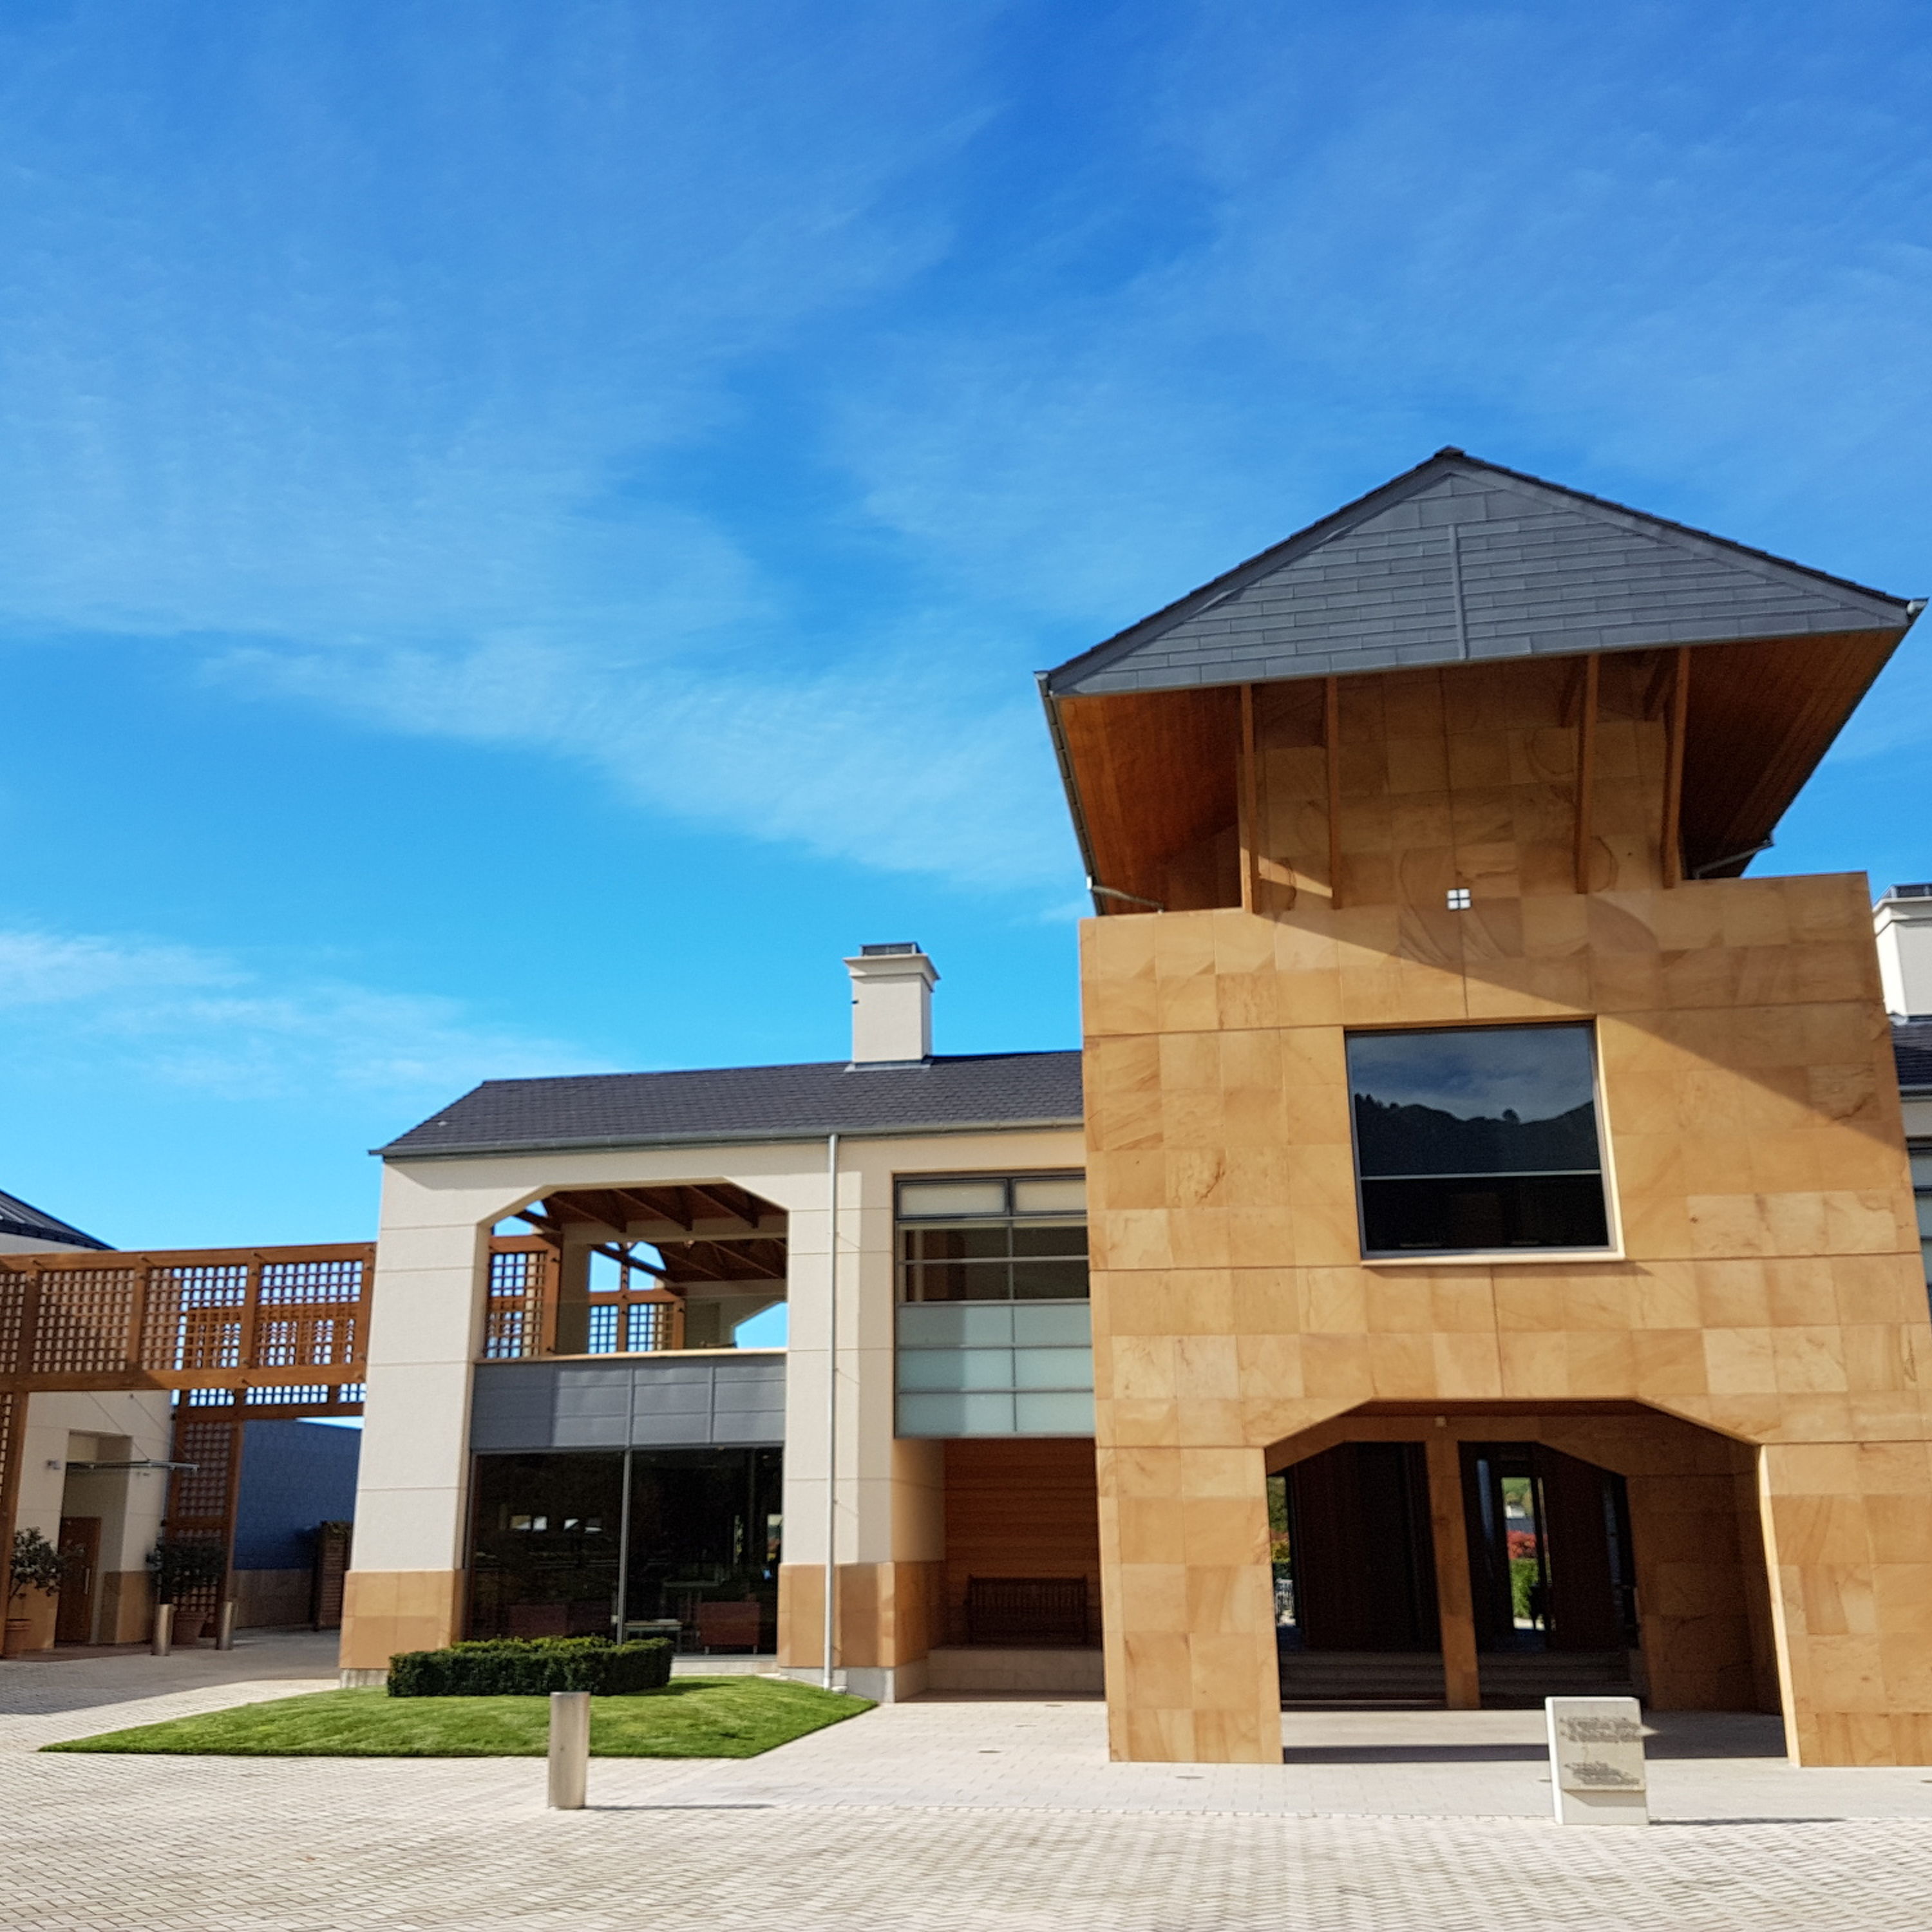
{"x":523,"y":1276}
{"x":233,"y":1332}
{"x":521,"y":1319}
{"x":237,"y":1333}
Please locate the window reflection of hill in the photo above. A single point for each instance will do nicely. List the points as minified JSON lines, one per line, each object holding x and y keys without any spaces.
{"x":1393,"y":1137}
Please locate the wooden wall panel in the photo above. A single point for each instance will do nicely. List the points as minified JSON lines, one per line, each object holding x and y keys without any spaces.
{"x":1155,"y":776}
{"x":1020,"y":1507}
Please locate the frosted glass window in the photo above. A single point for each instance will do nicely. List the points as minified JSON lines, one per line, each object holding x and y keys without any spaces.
{"x":1062,"y":1194}
{"x":927,"y":1200}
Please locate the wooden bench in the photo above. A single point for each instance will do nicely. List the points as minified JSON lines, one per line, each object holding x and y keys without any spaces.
{"x":1026,"y":1613}
{"x":728,"y":1626}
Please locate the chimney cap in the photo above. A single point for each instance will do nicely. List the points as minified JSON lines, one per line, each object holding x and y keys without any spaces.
{"x":1910,"y":893}
{"x":913,"y":946}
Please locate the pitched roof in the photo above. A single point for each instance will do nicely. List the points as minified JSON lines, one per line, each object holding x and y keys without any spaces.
{"x":1911,"y":1052}
{"x":948,"y":1093}
{"x":1460,"y":559}
{"x":31,"y":1224}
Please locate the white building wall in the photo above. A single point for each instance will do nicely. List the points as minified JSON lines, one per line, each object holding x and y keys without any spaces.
{"x":1903,"y":928}
{"x":123,"y":1427}
{"x":432,"y":1272}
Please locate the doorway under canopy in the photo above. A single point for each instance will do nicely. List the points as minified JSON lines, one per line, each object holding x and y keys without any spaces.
{"x":1358,"y":1538}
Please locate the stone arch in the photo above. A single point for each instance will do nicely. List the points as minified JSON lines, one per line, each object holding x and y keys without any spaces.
{"x":1703,"y":1591}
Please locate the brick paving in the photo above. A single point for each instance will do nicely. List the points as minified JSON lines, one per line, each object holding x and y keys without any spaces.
{"x":928,"y":1816}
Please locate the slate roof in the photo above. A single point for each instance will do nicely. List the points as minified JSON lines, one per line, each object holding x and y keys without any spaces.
{"x":30,"y":1224}
{"x":1912,"y":1049}
{"x":945,"y":1094}
{"x":1461,"y":559}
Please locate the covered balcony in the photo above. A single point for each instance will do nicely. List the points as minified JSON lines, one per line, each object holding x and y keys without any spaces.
{"x":637,"y":1270}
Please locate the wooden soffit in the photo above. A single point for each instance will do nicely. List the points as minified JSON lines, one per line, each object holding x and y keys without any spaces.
{"x":1151,"y":773}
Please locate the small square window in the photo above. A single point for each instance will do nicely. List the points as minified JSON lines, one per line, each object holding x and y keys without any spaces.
{"x":1458,"y":898}
{"x":1477,"y":1139}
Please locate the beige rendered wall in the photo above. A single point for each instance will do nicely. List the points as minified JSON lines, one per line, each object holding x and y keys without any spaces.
{"x":124,"y":1426}
{"x":404,"y":1587}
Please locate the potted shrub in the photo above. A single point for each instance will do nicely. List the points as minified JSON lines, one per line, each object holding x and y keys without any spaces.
{"x":181,"y":1570}
{"x":36,"y":1565}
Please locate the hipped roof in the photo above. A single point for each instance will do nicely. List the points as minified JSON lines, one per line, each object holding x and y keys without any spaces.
{"x":1459,"y":560}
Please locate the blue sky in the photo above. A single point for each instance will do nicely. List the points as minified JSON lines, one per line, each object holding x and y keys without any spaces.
{"x":525,"y":531}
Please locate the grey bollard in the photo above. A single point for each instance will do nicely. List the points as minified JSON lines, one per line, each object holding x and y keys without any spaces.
{"x":569,"y":1748}
{"x":1597,"y":1773}
{"x":224,"y":1626}
{"x":164,"y":1627}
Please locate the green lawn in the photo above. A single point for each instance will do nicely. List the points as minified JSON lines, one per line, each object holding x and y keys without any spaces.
{"x":692,"y":1717}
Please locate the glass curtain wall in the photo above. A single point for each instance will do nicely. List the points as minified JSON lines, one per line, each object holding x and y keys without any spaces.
{"x":995,"y":1334}
{"x":682,"y":1543}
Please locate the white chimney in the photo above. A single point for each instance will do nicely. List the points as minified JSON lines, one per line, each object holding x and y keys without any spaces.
{"x":1903,"y":921}
{"x":892,"y":1004}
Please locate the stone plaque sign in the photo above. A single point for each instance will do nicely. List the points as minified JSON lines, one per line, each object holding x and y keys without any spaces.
{"x":1596,"y":1760}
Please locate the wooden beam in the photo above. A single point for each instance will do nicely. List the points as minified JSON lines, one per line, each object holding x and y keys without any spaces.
{"x":1586,"y":768}
{"x":1656,"y":691}
{"x":624,"y":1259}
{"x":650,"y":1199}
{"x":713,"y":1198}
{"x":1673,"y":772}
{"x":1331,"y":742}
{"x":1249,"y":808}
{"x":1455,"y":1607}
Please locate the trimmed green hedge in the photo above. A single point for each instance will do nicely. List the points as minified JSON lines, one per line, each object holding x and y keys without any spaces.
{"x":532,"y":1667}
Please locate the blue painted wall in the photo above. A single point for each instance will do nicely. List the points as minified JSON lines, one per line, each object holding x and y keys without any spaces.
{"x":294,"y":1475}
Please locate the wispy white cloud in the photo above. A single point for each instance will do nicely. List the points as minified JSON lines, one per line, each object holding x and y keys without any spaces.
{"x":435,"y":377}
{"x":368,"y":395}
{"x":193,"y":1018}
{"x":876,"y":761}
{"x":1626,"y":248}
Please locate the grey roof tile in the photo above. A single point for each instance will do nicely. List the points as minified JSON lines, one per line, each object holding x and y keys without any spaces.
{"x":947,"y":1093}
{"x":33,"y":1224}
{"x":1912,"y":1053}
{"x":1537,"y":566}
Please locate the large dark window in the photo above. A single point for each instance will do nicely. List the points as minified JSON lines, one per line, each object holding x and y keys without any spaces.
{"x":677,"y":1543}
{"x":1477,"y":1139}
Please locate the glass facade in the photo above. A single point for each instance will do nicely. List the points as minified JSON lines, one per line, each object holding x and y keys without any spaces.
{"x":675,"y":1543}
{"x":1019,"y":1238}
{"x":1477,"y":1139}
{"x":994,"y":1335}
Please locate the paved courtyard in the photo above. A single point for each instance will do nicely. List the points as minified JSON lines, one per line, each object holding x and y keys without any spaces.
{"x":934,"y":1815}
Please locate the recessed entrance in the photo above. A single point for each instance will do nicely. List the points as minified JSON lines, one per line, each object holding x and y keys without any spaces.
{"x":1550,"y":1566}
{"x":1629,"y":1559}
{"x":1354,"y":1550}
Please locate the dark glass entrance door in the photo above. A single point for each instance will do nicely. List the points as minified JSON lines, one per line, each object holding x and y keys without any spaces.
{"x":682,"y":1543}
{"x":1549,"y":1562}
{"x":1355,"y":1566}
{"x":702,"y":1555}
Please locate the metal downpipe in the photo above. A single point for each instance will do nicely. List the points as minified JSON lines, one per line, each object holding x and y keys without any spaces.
{"x":831,"y":1404}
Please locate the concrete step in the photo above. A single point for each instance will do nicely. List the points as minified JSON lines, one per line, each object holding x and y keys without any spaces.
{"x":1527,"y":1677}
{"x":1520,"y":1677}
{"x":1360,"y":1676}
